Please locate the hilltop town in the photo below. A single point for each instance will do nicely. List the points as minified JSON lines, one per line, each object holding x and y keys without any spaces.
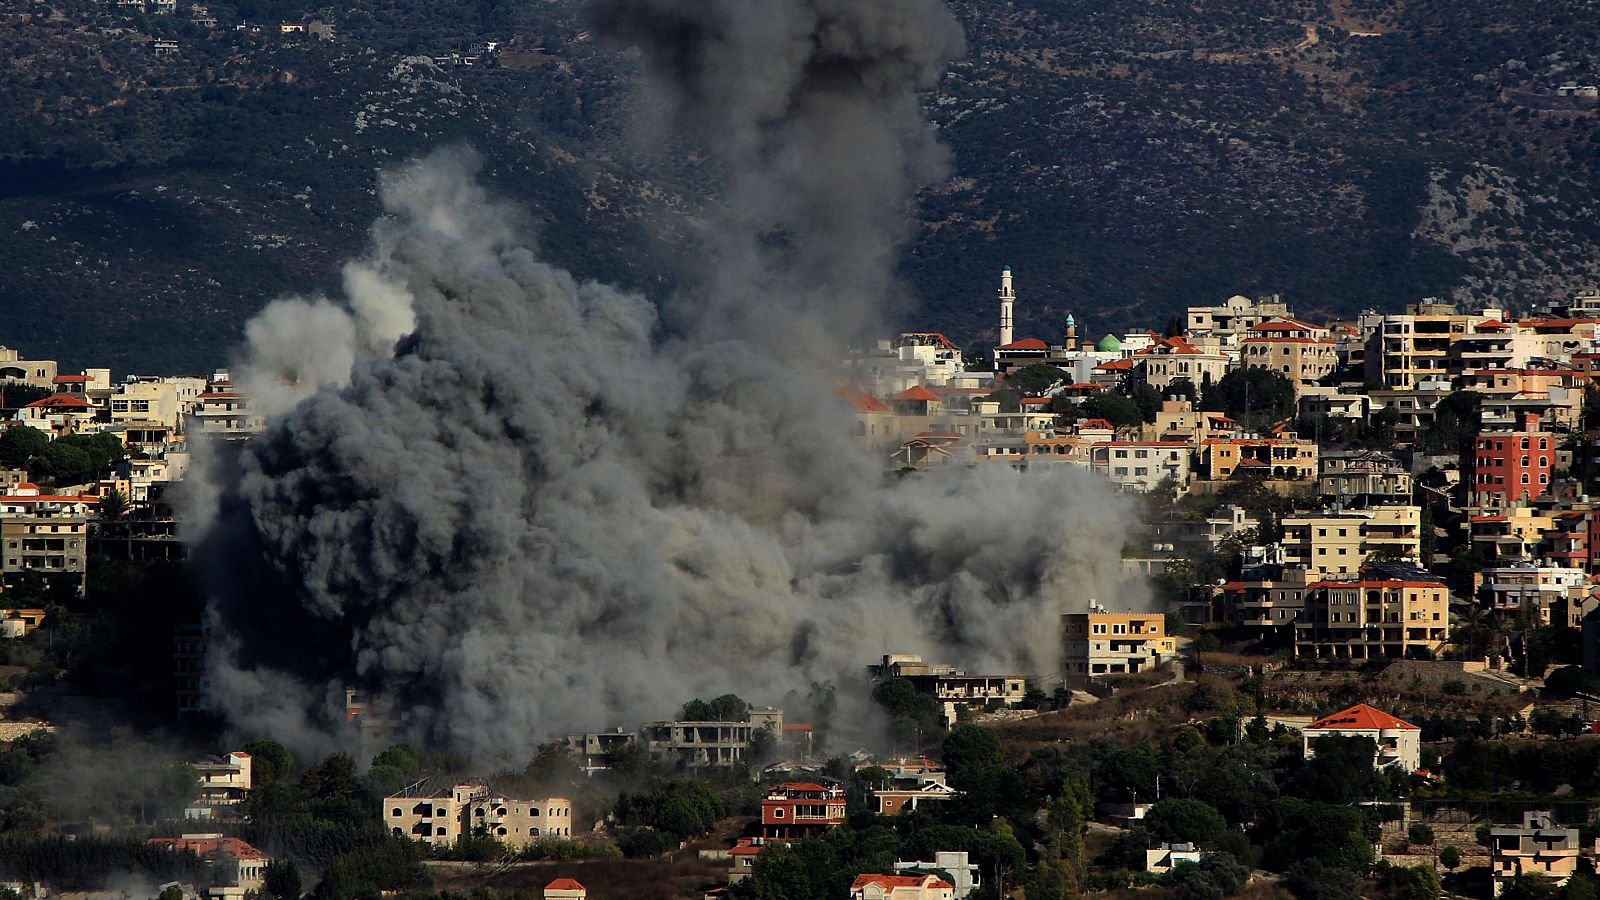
{"x":1365,"y":667}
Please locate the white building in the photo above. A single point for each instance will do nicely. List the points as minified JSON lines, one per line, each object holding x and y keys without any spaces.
{"x":1399,"y":743}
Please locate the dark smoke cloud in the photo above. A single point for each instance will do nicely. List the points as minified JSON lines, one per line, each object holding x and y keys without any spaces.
{"x":508,"y":501}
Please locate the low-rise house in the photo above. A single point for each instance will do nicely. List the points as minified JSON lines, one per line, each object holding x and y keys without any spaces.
{"x":964,"y":875}
{"x":901,"y":887}
{"x":1550,"y":594}
{"x":1163,"y":858}
{"x":893,"y":801}
{"x":565,"y":889}
{"x":1538,"y":847}
{"x":1099,"y":643}
{"x":223,"y":782}
{"x":442,"y":816}
{"x":1398,"y":742}
{"x":696,"y":744}
{"x":592,"y":750}
{"x":743,"y":859}
{"x":952,"y":687}
{"x":35,"y":372}
{"x":1363,"y":477}
{"x":237,"y":867}
{"x":800,"y":809}
{"x":16,"y":623}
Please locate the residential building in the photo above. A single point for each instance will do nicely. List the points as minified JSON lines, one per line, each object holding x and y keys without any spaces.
{"x":1405,"y":351}
{"x":1233,"y":318}
{"x":58,"y":415}
{"x":901,"y":887}
{"x":1490,"y":344}
{"x":1548,"y":593}
{"x":1398,"y":742}
{"x":45,"y":533}
{"x":964,"y":874}
{"x":916,"y":771}
{"x":1162,"y":859}
{"x":1099,"y":643}
{"x":191,"y":648}
{"x":952,"y":687}
{"x":37,"y":372}
{"x":1363,"y":478}
{"x":1282,"y":457}
{"x":743,"y":858}
{"x":223,"y":411}
{"x":565,"y":889}
{"x":1266,"y":606}
{"x":592,"y":750}
{"x":1174,"y":359}
{"x":1511,"y":468}
{"x":1142,"y":466}
{"x":441,"y":816}
{"x":1302,"y":353}
{"x":696,"y":744}
{"x":800,"y":809}
{"x":893,"y":801}
{"x":16,"y":623}
{"x":1539,"y":847}
{"x":224,"y":781}
{"x":1195,"y":537}
{"x":1374,"y":617}
{"x":1340,"y":541}
{"x":1331,"y":402}
{"x":237,"y":867}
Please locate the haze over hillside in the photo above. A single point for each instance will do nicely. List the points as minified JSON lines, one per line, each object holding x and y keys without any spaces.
{"x":1126,"y":157}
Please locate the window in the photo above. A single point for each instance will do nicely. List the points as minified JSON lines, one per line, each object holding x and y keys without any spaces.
{"x":1524,"y":460}
{"x":1524,"y":477}
{"x":1099,"y":629}
{"x":777,"y":813}
{"x":395,"y":812}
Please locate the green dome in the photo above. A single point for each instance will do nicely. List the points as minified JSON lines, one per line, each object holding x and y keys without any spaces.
{"x":1109,"y":344}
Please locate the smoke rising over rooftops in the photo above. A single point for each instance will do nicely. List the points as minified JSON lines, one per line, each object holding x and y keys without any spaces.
{"x":516,"y":504}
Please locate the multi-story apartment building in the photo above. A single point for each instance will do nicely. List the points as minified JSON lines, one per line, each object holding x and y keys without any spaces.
{"x":1510,"y":468}
{"x":223,"y":411}
{"x":225,"y":781}
{"x":1231,"y":320}
{"x":1141,"y":466}
{"x":1302,"y":353}
{"x":1396,"y":742}
{"x":1276,"y":457}
{"x":1339,"y":542}
{"x":697,"y":744}
{"x":1175,"y":359}
{"x":953,"y":688}
{"x":1539,"y":847}
{"x":1363,"y":477}
{"x":1265,"y":606}
{"x":1099,"y":643}
{"x":45,"y":533}
{"x":1196,"y":537}
{"x":1490,"y":344}
{"x":442,"y":816}
{"x":1551,"y":594}
{"x":1406,"y":351}
{"x":1373,"y":617}
{"x":800,"y":809}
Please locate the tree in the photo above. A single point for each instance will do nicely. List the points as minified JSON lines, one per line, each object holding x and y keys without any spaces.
{"x":1419,"y":833}
{"x":1252,"y":392}
{"x":269,"y":761}
{"x":20,"y":445}
{"x":1033,"y":380}
{"x":970,"y":746}
{"x":726,"y":708}
{"x":1181,"y":820}
{"x":1310,"y":879}
{"x":1114,"y":408}
{"x":912,"y":714}
{"x":281,"y":880}
{"x":1450,"y":857}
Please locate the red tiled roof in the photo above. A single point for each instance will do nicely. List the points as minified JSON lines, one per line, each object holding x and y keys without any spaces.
{"x":1025,"y":344}
{"x":802,"y":786}
{"x":564,"y":884}
{"x":1036,"y":401}
{"x":1096,"y":423}
{"x":894,"y":881}
{"x":1116,"y":364}
{"x":69,"y":379}
{"x":746,"y":850}
{"x":1491,"y":325}
{"x":936,"y":336}
{"x":797,"y":726}
{"x":1362,"y":717}
{"x":1288,"y":340}
{"x":1084,"y":386}
{"x":203,"y":845}
{"x":861,"y":401}
{"x":60,"y":401}
{"x":916,"y":392}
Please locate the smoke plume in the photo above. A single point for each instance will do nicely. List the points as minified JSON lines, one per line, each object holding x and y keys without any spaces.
{"x":517,"y":503}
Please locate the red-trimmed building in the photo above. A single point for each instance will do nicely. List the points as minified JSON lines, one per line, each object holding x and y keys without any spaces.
{"x":1512,"y":468}
{"x":800,"y":809}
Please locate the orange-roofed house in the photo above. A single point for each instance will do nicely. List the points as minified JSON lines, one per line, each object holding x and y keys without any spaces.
{"x":901,"y":887}
{"x":249,"y":876}
{"x":1399,"y":743}
{"x":565,"y":889}
{"x":917,"y":400}
{"x":60,"y":414}
{"x":1302,"y":353}
{"x":1175,"y":359}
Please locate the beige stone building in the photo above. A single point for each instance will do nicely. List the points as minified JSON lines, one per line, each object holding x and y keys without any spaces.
{"x":1539,"y":847}
{"x":1403,"y":351}
{"x":36,"y":372}
{"x":444,"y":815}
{"x":1286,"y":457}
{"x":1338,"y":542}
{"x":1373,"y":618}
{"x":1099,"y":643}
{"x":1175,"y":359}
{"x":1300,"y":352}
{"x":1232,"y":319}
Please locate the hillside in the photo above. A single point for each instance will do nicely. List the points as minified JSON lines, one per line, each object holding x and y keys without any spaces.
{"x":1127,"y":157}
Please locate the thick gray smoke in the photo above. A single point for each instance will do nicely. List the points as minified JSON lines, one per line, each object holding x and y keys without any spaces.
{"x":539,"y":509}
